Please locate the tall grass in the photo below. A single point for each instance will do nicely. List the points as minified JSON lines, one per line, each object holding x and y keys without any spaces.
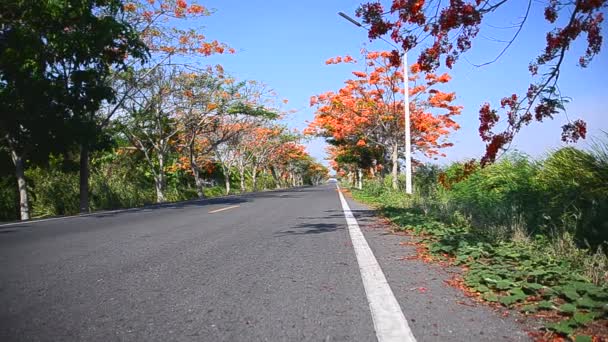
{"x":560,"y":200}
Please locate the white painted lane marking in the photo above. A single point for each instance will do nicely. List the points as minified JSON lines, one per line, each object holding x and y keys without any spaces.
{"x":389,"y":322}
{"x":222,"y":209}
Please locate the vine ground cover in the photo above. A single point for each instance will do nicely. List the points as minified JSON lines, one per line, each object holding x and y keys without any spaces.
{"x":519,"y":275}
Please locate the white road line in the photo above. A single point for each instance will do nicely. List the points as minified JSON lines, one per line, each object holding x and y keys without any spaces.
{"x":389,"y":322}
{"x":222,"y":209}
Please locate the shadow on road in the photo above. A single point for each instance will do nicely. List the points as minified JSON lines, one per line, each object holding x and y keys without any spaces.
{"x":177,"y":205}
{"x":311,"y":228}
{"x":228,"y":200}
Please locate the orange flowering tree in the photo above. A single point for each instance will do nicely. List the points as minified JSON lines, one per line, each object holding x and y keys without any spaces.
{"x":169,"y":30}
{"x":150,"y":123}
{"x":205,"y":99}
{"x":451,"y":27}
{"x":171,"y":27}
{"x":286,"y":162}
{"x":369,"y":109}
{"x":257,"y":149}
{"x":355,"y":161}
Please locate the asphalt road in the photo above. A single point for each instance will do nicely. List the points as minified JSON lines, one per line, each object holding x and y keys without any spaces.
{"x":273,"y":266}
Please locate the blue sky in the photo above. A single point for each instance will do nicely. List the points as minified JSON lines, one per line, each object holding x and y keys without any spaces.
{"x":285,"y":44}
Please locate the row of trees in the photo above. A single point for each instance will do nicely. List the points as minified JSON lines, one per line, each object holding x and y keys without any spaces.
{"x":82,"y":76}
{"x":208,"y":117}
{"x":364,"y":120}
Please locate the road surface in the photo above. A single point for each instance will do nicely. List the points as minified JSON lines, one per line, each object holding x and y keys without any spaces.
{"x":270,"y":266}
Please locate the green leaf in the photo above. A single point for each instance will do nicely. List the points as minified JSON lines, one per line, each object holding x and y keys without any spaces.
{"x":583,"y":318}
{"x":587,"y":302}
{"x":538,"y":272}
{"x":510,"y":300}
{"x":545,"y":305}
{"x":482,"y":288}
{"x":490,"y":297}
{"x":568,"y":308}
{"x":517,"y":291}
{"x":583,"y":338}
{"x":504,"y":285}
{"x":532,"y":286}
{"x":529,"y":308}
{"x":563,"y":327}
{"x":570,"y":294}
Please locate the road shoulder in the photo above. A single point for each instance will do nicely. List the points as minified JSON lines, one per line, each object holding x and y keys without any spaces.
{"x":434,"y":310}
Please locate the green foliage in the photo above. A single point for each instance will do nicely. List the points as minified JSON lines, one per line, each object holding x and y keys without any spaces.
{"x":9,"y":199}
{"x":56,"y":56}
{"x":565,"y":193}
{"x":574,"y":185}
{"x":119,"y":180}
{"x":499,"y":196}
{"x":54,"y":192}
{"x":508,"y":224}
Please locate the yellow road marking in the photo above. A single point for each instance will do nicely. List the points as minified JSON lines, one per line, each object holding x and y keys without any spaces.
{"x":222,"y":209}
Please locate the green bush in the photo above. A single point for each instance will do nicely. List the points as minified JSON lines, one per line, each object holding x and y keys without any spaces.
{"x":574,"y":185}
{"x":53,"y":192}
{"x":501,"y":197}
{"x":516,"y":197}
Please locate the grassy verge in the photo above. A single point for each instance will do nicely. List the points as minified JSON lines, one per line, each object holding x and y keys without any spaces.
{"x":527,"y":274}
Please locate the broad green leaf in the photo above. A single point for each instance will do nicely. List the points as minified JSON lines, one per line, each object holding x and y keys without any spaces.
{"x":529,"y":308}
{"x":568,"y":308}
{"x":545,"y":305}
{"x":490,"y":297}
{"x":570,"y":294}
{"x":583,"y":318}
{"x":563,"y":327}
{"x":587,"y":302}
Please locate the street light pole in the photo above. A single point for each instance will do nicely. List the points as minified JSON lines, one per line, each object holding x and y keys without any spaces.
{"x":406,"y":105}
{"x":408,"y":137}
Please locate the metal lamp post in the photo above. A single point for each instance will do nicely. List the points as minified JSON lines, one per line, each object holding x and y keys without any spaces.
{"x":406,"y":105}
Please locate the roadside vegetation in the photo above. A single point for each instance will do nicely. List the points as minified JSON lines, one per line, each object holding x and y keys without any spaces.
{"x":118,"y":109}
{"x":531,"y":235}
{"x":120,"y":179}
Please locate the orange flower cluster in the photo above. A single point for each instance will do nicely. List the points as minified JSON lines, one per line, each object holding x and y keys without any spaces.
{"x":369,"y":110}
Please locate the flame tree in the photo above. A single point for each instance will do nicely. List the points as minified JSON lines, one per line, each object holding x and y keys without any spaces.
{"x":451,"y":28}
{"x":368,"y":110}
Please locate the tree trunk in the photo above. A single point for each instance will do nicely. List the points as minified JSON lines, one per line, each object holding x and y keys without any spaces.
{"x":242,"y":175}
{"x":243,"y":181}
{"x":276,"y":177}
{"x":351,"y":179}
{"x":227,"y":181}
{"x":395,"y":170}
{"x":159,"y":179}
{"x":359,"y":178}
{"x":160,"y":189}
{"x":254,"y":178}
{"x":200,"y":185}
{"x":24,"y":204}
{"x":372,"y":169}
{"x":84,"y":178}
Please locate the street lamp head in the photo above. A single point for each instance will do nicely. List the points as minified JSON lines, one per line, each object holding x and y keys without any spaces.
{"x":345,"y":16}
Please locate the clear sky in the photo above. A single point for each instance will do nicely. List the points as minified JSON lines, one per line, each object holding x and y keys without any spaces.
{"x":285,"y":44}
